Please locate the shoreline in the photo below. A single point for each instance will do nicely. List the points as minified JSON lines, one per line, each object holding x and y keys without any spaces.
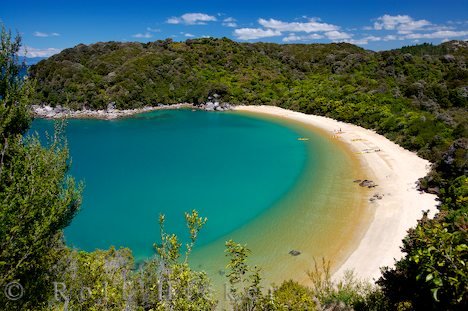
{"x":394,"y":205}
{"x":59,"y":112}
{"x":396,"y":202}
{"x":47,"y":112}
{"x":300,"y":224}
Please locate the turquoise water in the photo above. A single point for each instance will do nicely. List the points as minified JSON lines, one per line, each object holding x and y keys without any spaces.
{"x":230,"y":167}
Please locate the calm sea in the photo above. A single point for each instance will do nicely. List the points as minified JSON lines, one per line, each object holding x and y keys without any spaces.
{"x":249,"y":175}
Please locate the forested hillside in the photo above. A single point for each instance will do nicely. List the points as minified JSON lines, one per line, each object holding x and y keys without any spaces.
{"x":396,"y":92}
{"x":136,"y":74}
{"x":416,"y":96}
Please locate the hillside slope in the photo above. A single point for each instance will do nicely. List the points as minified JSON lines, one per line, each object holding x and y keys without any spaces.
{"x":421,"y":89}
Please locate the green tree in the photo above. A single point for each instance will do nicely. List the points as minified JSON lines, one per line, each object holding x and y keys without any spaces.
{"x":37,"y":198}
{"x":433,"y":274}
{"x":98,"y":280}
{"x":290,"y":295}
{"x":245,"y":289}
{"x":168,"y":283}
{"x":15,"y":92}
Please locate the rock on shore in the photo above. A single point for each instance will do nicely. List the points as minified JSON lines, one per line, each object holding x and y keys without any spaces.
{"x":59,"y":112}
{"x":215,"y":106}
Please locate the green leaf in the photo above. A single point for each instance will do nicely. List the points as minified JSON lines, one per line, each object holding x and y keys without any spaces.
{"x":438,"y":281}
{"x":434,"y":294}
{"x":429,"y":277}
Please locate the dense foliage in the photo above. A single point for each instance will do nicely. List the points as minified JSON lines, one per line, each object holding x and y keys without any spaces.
{"x":437,"y":253}
{"x":37,"y":199}
{"x":108,"y":279}
{"x":417,"y":96}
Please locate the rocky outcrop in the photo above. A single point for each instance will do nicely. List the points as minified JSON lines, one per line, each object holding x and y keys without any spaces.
{"x":59,"y":112}
{"x":215,"y":106}
{"x":367,"y":183}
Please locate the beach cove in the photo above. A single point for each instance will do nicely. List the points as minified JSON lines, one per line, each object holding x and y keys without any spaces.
{"x":319,"y":212}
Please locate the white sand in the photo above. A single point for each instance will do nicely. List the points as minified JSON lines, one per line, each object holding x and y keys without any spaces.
{"x":395,"y":171}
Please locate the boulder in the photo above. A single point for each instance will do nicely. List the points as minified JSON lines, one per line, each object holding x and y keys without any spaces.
{"x":378,"y":196}
{"x":210,"y":106}
{"x":294,"y":252}
{"x":367,"y":183}
{"x":111,"y":106}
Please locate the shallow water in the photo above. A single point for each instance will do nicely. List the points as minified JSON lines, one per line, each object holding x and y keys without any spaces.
{"x":247,"y":173}
{"x":229,"y":167}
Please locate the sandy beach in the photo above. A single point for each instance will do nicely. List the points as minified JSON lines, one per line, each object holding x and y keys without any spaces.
{"x":394,"y":170}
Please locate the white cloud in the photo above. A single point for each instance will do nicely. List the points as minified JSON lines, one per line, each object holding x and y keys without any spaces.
{"x":33,"y":52}
{"x":45,"y":34}
{"x":364,"y":40}
{"x":153,"y":29}
{"x":229,"y":22}
{"x":442,"y":34}
{"x":192,"y":19}
{"x":173,"y":20}
{"x":390,"y":22}
{"x":145,"y":35}
{"x":404,"y":24}
{"x":357,"y":41}
{"x":397,"y":27}
{"x":295,"y":38}
{"x":255,"y":33}
{"x":273,"y":27}
{"x":337,"y":35}
{"x":313,"y":25}
{"x":189,"y":35}
{"x":390,"y":38}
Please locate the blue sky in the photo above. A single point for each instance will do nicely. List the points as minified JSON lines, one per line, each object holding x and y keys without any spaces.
{"x":50,"y":26}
